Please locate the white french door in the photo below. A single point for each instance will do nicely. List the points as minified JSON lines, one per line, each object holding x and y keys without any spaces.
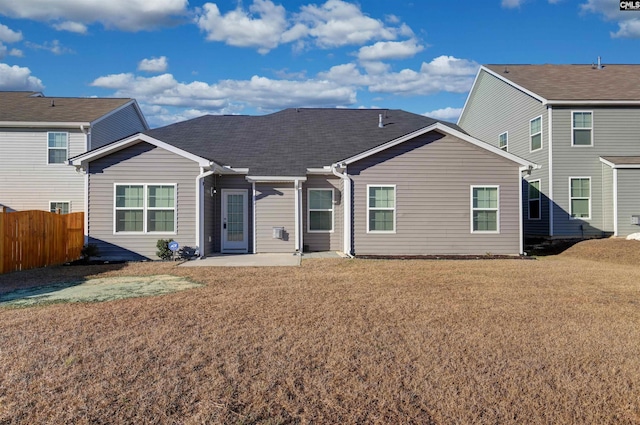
{"x":234,"y":221}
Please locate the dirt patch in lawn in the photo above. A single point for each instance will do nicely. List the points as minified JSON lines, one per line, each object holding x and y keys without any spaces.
{"x":612,"y":250}
{"x":96,"y":290}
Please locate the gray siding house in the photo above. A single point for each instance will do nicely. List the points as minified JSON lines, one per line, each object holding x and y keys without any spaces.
{"x":37,"y":136}
{"x":361,"y":182}
{"x":581,"y":125}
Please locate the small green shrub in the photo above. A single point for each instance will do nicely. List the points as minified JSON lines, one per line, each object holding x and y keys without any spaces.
{"x":163,"y":249}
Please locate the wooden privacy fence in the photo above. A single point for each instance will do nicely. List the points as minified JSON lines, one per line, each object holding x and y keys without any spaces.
{"x":30,"y":239}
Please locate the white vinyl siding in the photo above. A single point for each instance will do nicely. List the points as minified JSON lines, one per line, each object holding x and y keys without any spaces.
{"x":534,"y":200}
{"x":320,"y":210}
{"x":63,"y":206}
{"x":503,"y":141}
{"x":144,"y":208}
{"x":57,"y":147}
{"x":582,"y":128}
{"x":535,"y":134}
{"x":381,"y":209}
{"x":485,"y":209}
{"x":580,"y":197}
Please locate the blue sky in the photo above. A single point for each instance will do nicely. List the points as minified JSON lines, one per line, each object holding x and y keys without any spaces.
{"x":181,"y":59}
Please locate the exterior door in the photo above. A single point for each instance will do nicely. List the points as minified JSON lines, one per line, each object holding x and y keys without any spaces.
{"x":234,"y":221}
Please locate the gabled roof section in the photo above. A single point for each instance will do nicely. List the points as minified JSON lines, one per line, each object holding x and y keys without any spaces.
{"x":558,"y":84}
{"x":288,"y":142}
{"x":33,"y":107}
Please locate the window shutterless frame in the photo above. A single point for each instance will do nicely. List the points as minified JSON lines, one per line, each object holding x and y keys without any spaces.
{"x":535,"y":134}
{"x":145,"y":208}
{"x":385,"y":207}
{"x":534,"y":198}
{"x":579,"y":191}
{"x":57,"y":147}
{"x":311,"y":208}
{"x":485,"y":210}
{"x":503,"y":141}
{"x":64,"y":206}
{"x":582,"y":126}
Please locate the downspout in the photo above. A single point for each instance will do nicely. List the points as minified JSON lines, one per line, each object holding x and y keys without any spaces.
{"x":298,"y":238}
{"x":253,"y":213}
{"x":520,"y":214}
{"x":550,"y":138}
{"x":87,"y":144}
{"x":346,"y":206}
{"x":200,"y":209}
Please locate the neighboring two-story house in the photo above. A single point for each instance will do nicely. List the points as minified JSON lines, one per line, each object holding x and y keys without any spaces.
{"x":37,"y":136}
{"x":581,"y":124}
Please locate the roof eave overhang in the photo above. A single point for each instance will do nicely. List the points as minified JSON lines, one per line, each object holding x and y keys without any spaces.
{"x":443,"y":129}
{"x":275,"y":179}
{"x":593,"y":102}
{"x":85,"y":158}
{"x":44,"y":124}
{"x":618,"y":166}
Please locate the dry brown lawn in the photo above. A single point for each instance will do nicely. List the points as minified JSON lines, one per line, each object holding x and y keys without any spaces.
{"x":555,"y":340}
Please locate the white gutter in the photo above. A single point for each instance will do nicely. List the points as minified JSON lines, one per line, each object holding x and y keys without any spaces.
{"x":346,"y":206}
{"x":200,"y":209}
{"x":39,"y":124}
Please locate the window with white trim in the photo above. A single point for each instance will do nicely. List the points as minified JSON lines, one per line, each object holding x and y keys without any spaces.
{"x":484,"y":209}
{"x":145,"y":208}
{"x":580,"y":197}
{"x":320,"y":210}
{"x":582,"y":128}
{"x":503,"y":141}
{"x":535,"y":133}
{"x":57,"y":147}
{"x":534,"y":200}
{"x":63,"y":207}
{"x":381,"y":208}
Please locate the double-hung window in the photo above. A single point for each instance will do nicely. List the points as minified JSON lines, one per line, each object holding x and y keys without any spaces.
{"x":503,"y":141}
{"x":534,"y":200}
{"x":57,"y":147}
{"x":381,"y":208}
{"x":485,"y":209}
{"x":535,"y":133}
{"x":320,"y":210}
{"x":580,"y":197}
{"x":145,"y":208}
{"x":582,"y":128}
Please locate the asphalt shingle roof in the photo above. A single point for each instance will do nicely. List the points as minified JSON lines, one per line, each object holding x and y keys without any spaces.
{"x":288,"y":142}
{"x":575,"y":82}
{"x":33,"y":107}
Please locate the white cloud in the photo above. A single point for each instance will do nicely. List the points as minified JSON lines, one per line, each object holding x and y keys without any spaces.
{"x":243,"y":29}
{"x":18,"y":78}
{"x":338,"y":23}
{"x":628,"y":22}
{"x":154,"y":64}
{"x":628,"y":29}
{"x":446,"y":114}
{"x":512,"y":4}
{"x":71,"y":26}
{"x":52,"y":46}
{"x":258,"y":92}
{"x":386,"y":50}
{"x":7,"y":35}
{"x":128,"y":15}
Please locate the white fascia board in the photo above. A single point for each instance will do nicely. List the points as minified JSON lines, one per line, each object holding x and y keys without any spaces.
{"x":618,"y":166}
{"x":512,"y":84}
{"x":132,"y":140}
{"x":118,"y":109}
{"x":464,"y":108}
{"x":441,"y":128}
{"x":274,"y":179}
{"x":235,"y":170}
{"x":43,"y":124}
{"x":593,"y":102}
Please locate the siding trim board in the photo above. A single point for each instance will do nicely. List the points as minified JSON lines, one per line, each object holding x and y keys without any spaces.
{"x":550,"y":191}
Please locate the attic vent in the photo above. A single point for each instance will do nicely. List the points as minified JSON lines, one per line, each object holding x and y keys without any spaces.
{"x":599,"y":66}
{"x":380,"y":124}
{"x":506,"y":69}
{"x":53,"y":103}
